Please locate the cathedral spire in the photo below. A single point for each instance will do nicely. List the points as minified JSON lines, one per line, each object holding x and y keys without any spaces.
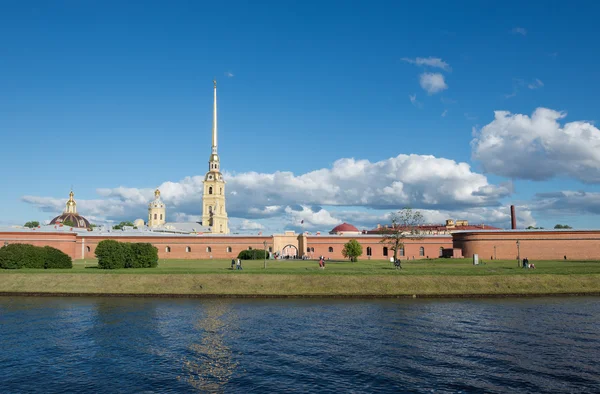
{"x":214,"y":128}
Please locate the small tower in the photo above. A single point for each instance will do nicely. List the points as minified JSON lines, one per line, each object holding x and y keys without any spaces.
{"x":157,"y":215}
{"x":71,"y":206}
{"x":214,"y":214}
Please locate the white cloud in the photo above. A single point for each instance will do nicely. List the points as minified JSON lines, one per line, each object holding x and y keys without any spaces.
{"x":567,"y":202}
{"x":248,"y":225}
{"x":229,"y":74}
{"x":519,"y":30}
{"x":536,"y":84}
{"x":538,"y":147}
{"x":444,"y":113}
{"x":414,"y":101}
{"x":309,"y":218}
{"x":432,"y":82}
{"x":434,"y":62}
{"x":406,"y":180}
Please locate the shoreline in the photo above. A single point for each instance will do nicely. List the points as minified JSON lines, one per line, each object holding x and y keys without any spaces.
{"x":292,"y":296}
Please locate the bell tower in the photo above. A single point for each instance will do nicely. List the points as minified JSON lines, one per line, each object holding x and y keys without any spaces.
{"x":214,"y":214}
{"x":157,"y":215}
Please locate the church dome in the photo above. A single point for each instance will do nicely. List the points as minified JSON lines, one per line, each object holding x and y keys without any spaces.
{"x":75,"y":219}
{"x":157,"y":202}
{"x":344,"y":228}
{"x":70,"y":215}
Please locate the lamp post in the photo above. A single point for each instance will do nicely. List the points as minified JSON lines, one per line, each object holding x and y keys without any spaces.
{"x":265,"y":255}
{"x":518,"y":254}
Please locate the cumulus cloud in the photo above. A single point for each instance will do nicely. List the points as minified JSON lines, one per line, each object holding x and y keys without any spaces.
{"x":419,"y":181}
{"x":567,"y":202}
{"x":248,"y":225}
{"x":434,"y":62}
{"x":538,"y":147}
{"x":432,"y":83}
{"x":519,"y":30}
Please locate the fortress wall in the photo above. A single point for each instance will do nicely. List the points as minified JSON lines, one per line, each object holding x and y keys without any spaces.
{"x":535,"y":245}
{"x":65,"y":242}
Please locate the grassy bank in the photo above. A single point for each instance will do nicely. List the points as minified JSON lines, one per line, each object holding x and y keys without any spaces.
{"x":302,"y":278}
{"x":435,"y":267}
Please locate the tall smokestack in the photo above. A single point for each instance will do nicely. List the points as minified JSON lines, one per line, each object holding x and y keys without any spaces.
{"x":513,"y":218}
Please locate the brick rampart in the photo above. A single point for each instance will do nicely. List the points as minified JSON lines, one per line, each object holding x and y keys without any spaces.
{"x":66,"y":242}
{"x":535,"y":245}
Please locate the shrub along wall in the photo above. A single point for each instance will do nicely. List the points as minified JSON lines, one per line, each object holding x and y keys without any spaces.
{"x":15,"y":256}
{"x":255,"y":254}
{"x":113,"y":255}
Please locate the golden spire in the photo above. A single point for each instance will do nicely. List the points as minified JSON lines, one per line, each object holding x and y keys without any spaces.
{"x":214,"y":128}
{"x":156,"y":193}
{"x":71,"y":206}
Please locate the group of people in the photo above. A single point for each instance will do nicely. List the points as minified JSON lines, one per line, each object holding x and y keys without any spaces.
{"x":236,"y":264}
{"x":527,"y":264}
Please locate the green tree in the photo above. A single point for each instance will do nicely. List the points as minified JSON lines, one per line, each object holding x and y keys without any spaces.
{"x":562,"y":226}
{"x":254,"y":254}
{"x":111,"y":254}
{"x":32,"y":224}
{"x":145,"y":255}
{"x":92,"y":225}
{"x":121,"y":225}
{"x":405,"y":225}
{"x":352,"y":250}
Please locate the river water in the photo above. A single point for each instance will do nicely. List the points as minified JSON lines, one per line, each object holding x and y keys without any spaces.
{"x":126,"y":345}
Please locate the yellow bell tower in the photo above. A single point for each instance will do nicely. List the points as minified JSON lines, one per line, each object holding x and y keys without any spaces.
{"x":157,"y":215}
{"x":214,"y":214}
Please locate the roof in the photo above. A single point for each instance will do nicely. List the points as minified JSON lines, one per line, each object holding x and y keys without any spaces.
{"x":76,"y":220}
{"x":438,"y":227}
{"x":346,"y":227}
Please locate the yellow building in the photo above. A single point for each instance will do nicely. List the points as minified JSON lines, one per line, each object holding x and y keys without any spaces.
{"x":157,"y":215}
{"x":214,"y":213}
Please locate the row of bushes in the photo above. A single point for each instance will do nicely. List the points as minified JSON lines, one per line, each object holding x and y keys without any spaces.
{"x":15,"y":256}
{"x":113,"y":255}
{"x":255,"y":254}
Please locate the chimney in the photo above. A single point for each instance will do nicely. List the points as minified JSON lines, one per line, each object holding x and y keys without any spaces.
{"x":513,"y":218}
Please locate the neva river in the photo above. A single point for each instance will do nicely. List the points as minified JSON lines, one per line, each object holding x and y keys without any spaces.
{"x":127,"y":345}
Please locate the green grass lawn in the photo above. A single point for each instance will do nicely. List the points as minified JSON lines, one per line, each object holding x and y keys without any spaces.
{"x":439,"y":277}
{"x":436,"y":267}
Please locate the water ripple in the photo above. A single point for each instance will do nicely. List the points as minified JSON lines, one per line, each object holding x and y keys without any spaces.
{"x":56,"y":345}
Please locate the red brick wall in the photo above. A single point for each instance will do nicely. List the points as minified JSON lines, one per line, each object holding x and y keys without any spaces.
{"x":535,"y":245}
{"x":62,"y":241}
{"x":431,"y":246}
{"x":198,"y":245}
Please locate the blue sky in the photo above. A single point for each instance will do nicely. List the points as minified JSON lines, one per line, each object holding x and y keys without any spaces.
{"x":115,"y":99}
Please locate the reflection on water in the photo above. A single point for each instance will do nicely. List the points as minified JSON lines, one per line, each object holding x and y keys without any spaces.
{"x":131,"y":345}
{"x":210,"y":364}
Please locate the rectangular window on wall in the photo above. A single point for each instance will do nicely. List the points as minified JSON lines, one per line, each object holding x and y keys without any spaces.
{"x":402,"y":252}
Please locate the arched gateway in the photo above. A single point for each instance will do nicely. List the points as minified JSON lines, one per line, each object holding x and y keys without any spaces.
{"x":289,"y":252}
